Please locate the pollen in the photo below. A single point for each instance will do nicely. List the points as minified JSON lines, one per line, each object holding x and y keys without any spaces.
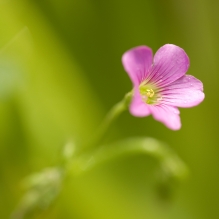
{"x":150,"y":92}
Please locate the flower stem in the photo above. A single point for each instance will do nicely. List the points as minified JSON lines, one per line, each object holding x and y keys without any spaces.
{"x":111,"y":116}
{"x":171,"y":165}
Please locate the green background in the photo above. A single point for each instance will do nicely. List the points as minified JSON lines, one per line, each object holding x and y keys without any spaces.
{"x":61,"y":71}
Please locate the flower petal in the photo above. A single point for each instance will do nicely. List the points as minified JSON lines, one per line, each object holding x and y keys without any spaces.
{"x":138,"y":107}
{"x":170,"y":63}
{"x":137,"y":62}
{"x":168,"y":115}
{"x":184,"y":92}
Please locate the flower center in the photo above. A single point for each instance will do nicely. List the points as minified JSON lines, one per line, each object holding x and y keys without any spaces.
{"x":149,"y":94}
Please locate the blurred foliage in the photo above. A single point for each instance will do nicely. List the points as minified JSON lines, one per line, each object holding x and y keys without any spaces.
{"x":43,"y":188}
{"x":60,"y":71}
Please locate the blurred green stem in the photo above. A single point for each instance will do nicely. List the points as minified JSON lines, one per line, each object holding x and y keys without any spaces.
{"x":171,"y":164}
{"x":112,"y":115}
{"x":115,"y":111}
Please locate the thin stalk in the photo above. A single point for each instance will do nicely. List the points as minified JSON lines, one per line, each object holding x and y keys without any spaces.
{"x":111,"y":116}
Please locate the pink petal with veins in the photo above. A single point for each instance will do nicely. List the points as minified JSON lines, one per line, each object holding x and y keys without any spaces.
{"x":137,"y":62}
{"x":187,"y":91}
{"x":168,"y":115}
{"x":170,"y":63}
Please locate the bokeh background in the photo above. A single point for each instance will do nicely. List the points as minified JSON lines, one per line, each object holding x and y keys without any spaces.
{"x":61,"y":71}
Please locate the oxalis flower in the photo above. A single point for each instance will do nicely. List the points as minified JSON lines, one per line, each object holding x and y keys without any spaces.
{"x":160,"y":83}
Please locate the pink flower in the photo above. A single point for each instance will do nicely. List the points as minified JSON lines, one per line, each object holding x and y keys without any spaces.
{"x":160,"y":83}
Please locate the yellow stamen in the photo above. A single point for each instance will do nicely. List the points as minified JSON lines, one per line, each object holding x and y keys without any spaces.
{"x":149,"y":92}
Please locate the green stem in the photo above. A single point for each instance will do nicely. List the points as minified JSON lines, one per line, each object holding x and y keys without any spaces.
{"x":112,"y":115}
{"x":171,"y":164}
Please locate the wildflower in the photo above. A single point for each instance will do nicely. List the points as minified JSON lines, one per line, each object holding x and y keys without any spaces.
{"x":160,"y":83}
